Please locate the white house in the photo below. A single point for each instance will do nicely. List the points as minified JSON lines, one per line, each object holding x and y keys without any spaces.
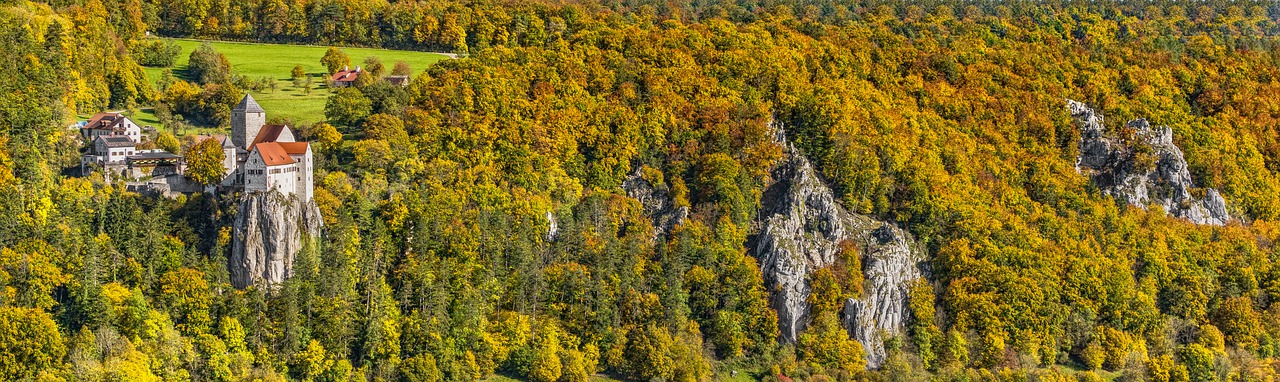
{"x":118,"y":155}
{"x":270,"y":167}
{"x":111,"y":124}
{"x":111,"y":149}
{"x":301,"y":154}
{"x":346,"y":77}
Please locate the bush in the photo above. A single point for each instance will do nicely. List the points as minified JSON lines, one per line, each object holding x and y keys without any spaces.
{"x":1199,"y":361}
{"x":827,"y":345}
{"x":1092,"y":356}
{"x":207,"y":66}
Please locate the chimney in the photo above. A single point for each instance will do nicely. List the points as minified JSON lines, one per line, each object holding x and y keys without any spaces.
{"x":346,"y":68}
{"x":357,"y":69}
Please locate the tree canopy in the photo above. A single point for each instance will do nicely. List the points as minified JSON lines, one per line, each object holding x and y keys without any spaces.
{"x":476,"y":220}
{"x":204,"y":162}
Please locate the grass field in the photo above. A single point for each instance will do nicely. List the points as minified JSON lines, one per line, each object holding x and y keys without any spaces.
{"x":276,"y":60}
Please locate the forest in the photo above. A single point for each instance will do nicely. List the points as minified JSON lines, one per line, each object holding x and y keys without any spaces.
{"x":439,"y":262}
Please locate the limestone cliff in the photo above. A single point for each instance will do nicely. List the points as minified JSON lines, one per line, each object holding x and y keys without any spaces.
{"x":802,"y":226}
{"x":1141,"y":166}
{"x":269,"y":230}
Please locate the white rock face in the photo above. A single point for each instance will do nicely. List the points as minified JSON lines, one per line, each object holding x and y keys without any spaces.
{"x":802,"y":227}
{"x":268,"y":232}
{"x":891,"y":263}
{"x":1113,"y":163}
{"x":553,"y":227}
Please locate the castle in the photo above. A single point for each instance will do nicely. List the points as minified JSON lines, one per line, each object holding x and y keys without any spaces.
{"x":259,"y":157}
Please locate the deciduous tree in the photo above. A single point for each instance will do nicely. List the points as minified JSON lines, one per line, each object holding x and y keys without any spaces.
{"x":208,"y":66}
{"x":30,"y":343}
{"x":348,"y":107}
{"x":334,"y":60}
{"x":204,"y":162}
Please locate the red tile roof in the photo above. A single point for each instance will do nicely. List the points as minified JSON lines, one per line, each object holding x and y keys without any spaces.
{"x":98,"y":118}
{"x":346,"y":75}
{"x":104,"y":121}
{"x":272,"y":154}
{"x":294,"y":148}
{"x":269,"y":133}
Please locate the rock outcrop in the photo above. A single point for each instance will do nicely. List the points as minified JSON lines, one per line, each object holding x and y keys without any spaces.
{"x":1141,"y":166}
{"x":553,"y":227}
{"x":802,"y":227}
{"x":269,"y":230}
{"x":657,"y":202}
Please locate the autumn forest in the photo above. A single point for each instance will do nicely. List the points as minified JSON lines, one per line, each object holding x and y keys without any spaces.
{"x":583,"y":192}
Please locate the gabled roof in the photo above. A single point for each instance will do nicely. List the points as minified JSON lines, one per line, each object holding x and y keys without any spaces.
{"x":114,"y":141}
{"x":105,"y":121}
{"x":247,"y":104}
{"x":346,"y":75}
{"x":98,"y":118}
{"x":397,"y":80}
{"x":270,"y":133}
{"x":294,"y":148}
{"x":272,"y":154}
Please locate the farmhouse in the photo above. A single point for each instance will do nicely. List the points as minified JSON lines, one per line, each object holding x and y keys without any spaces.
{"x":111,"y":149}
{"x":397,"y":80}
{"x":346,"y":77}
{"x":111,"y":124}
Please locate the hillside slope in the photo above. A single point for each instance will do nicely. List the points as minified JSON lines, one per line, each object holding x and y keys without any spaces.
{"x":593,"y":189}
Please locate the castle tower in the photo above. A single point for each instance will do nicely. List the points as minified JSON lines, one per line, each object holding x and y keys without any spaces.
{"x":246,"y":119}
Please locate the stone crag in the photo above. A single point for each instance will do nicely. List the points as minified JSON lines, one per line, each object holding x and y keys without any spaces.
{"x":1141,"y":166}
{"x":269,"y":230}
{"x":657,"y":202}
{"x":801,"y":231}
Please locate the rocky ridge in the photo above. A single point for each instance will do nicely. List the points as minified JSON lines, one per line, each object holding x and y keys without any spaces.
{"x":801,"y":229}
{"x":268,"y":232}
{"x":1141,"y":166}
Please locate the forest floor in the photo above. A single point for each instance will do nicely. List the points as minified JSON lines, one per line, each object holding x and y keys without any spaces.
{"x":256,"y":61}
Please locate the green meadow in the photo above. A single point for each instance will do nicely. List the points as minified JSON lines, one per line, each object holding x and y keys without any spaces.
{"x":277,"y":61}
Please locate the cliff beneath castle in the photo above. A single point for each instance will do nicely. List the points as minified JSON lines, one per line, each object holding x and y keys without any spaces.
{"x":268,"y":232}
{"x":1140,"y":166}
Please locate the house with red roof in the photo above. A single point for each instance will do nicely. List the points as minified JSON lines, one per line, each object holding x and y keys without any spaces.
{"x":345,"y":77}
{"x":270,"y":167}
{"x":111,"y":124}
